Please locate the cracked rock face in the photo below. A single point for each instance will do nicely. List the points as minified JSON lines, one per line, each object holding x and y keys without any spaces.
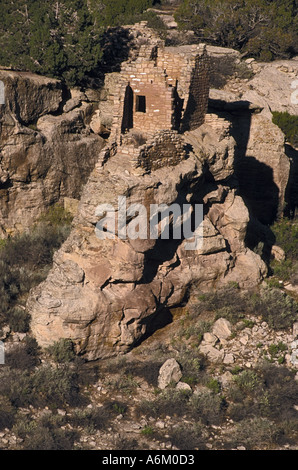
{"x":45,"y":154}
{"x":104,"y":294}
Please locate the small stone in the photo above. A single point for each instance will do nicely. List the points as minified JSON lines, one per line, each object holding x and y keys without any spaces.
{"x":244,"y":340}
{"x":160,"y":424}
{"x":4,"y":332}
{"x":183,"y":386}
{"x":278,"y":253}
{"x":210,"y":338}
{"x":169,"y":372}
{"x":71,"y":104}
{"x":213,"y":354}
{"x":225,"y":379}
{"x":229,"y":359}
{"x":222,"y":328}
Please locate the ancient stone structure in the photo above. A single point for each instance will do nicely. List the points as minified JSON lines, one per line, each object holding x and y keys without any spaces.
{"x":161,"y":93}
{"x":164,"y":88}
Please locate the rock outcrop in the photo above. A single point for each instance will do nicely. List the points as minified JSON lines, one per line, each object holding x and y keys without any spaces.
{"x":46,"y":153}
{"x":266,"y":168}
{"x":262,"y":166}
{"x":274,"y":86}
{"x":105,"y":294}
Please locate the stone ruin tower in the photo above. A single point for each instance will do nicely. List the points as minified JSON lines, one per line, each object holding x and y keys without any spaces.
{"x":162,"y":93}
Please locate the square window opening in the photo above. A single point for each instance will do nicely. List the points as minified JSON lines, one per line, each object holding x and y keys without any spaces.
{"x":141,"y":103}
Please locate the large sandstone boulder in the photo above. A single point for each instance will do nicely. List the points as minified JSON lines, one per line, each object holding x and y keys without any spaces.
{"x":29,"y":96}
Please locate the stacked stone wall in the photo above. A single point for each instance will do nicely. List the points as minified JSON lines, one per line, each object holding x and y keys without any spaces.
{"x":167,"y":148}
{"x":197,"y":104}
{"x":174,"y":84}
{"x":145,"y":79}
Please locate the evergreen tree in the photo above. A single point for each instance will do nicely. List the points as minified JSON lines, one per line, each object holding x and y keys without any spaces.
{"x":61,"y":38}
{"x":266,"y":29}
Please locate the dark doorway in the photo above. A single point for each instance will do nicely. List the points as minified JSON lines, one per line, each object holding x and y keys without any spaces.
{"x":127,"y":120}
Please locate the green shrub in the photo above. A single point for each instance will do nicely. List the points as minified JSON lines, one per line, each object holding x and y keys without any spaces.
{"x":87,"y":373}
{"x":62,"y":351}
{"x":208,"y":407}
{"x":23,"y":356}
{"x":193,"y":366}
{"x":247,"y":381}
{"x":46,"y":434}
{"x":189,"y":437}
{"x":255,"y":433}
{"x":17,"y":386}
{"x":91,"y":419}
{"x":148,"y":370}
{"x":65,"y":40}
{"x":277,"y":308}
{"x":25,"y":260}
{"x":56,"y":216}
{"x":55,"y":387}
{"x":45,"y":386}
{"x":275,"y":349}
{"x":155,"y":22}
{"x":96,"y":418}
{"x":125,"y":383}
{"x":147,"y":431}
{"x":265,"y":30}
{"x":168,"y":403}
{"x":269,"y":392}
{"x":281,"y":389}
{"x":273,"y":282}
{"x":288,"y":123}
{"x":19,"y":320}
{"x":7,"y":413}
{"x":213,"y":385}
{"x":229,"y":303}
{"x":236,"y":370}
{"x":286,"y":235}
{"x":197,"y":330}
